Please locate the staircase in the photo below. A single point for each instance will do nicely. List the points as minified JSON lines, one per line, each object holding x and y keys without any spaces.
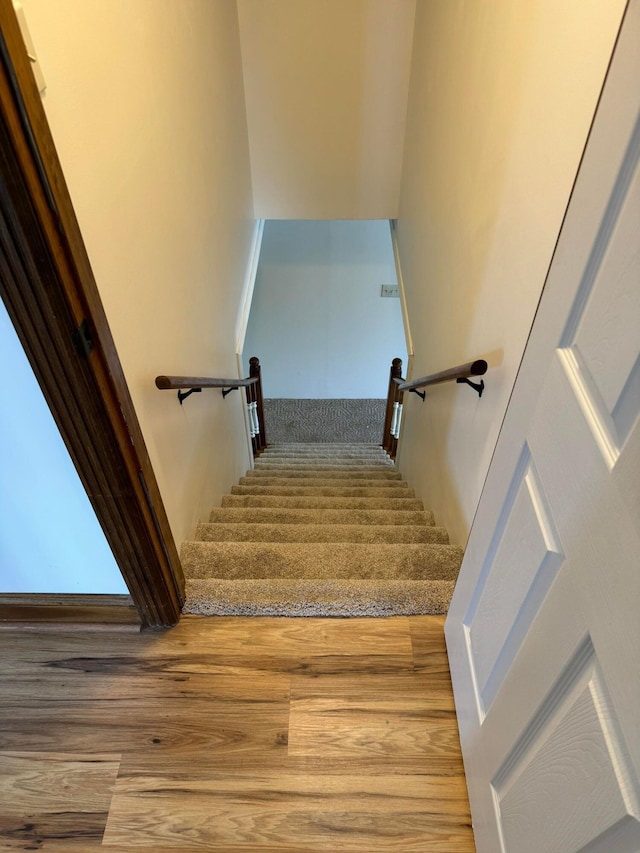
{"x":320,"y":530}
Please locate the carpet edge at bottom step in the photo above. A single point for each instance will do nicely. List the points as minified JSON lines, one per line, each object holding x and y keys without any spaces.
{"x":340,"y":598}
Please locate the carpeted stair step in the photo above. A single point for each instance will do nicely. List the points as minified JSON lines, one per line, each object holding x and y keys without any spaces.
{"x":283,"y":515}
{"x":328,"y":461}
{"x":319,"y":446}
{"x":358,"y":457}
{"x":344,"y":452}
{"x":335,"y":449}
{"x":368,"y":533}
{"x":318,"y":449}
{"x":321,"y":482}
{"x":356,"y":472}
{"x":330,"y":474}
{"x":325,"y":491}
{"x":321,"y":503}
{"x":306,"y":560}
{"x":333,"y":597}
{"x":320,"y":530}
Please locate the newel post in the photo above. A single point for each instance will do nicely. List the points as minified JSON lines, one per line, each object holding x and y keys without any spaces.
{"x":394,"y":399}
{"x":261,"y":437}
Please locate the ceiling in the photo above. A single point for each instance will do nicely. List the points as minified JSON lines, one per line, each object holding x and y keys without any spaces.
{"x":326,"y":85}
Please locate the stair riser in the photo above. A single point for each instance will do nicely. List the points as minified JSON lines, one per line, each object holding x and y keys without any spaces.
{"x":317,"y":598}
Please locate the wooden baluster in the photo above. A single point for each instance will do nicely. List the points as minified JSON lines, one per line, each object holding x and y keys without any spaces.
{"x":394,"y":373}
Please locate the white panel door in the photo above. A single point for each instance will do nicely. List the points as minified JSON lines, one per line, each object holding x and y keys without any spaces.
{"x":544,"y":627}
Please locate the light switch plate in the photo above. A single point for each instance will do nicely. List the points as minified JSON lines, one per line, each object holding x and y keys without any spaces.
{"x":390,"y":290}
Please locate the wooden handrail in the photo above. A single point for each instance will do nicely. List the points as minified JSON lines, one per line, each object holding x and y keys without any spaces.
{"x":398,"y":385}
{"x":253,"y":390}
{"x":169,"y":383}
{"x":462,"y":371}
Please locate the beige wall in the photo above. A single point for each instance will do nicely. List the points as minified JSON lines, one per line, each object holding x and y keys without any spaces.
{"x":146,"y":105}
{"x":326,"y":85}
{"x":500,"y":103}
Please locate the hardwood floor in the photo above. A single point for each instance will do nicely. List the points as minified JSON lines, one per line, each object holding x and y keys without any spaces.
{"x":232,"y":734}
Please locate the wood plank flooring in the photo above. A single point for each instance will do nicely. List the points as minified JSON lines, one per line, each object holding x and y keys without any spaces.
{"x":232,"y":734}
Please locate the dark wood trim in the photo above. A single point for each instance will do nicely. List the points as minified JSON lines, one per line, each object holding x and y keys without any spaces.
{"x":462,"y":371}
{"x":51,"y":296}
{"x":44,"y":611}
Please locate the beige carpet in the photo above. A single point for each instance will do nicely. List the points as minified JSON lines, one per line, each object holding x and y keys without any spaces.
{"x":320,"y":530}
{"x":309,"y":420}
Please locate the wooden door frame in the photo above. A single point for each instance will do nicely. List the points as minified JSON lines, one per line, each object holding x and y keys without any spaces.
{"x":47,"y":285}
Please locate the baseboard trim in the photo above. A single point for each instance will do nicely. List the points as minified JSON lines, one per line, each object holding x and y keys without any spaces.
{"x":67,"y":611}
{"x":393,"y":225}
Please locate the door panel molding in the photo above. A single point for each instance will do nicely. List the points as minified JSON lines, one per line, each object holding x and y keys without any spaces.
{"x":547,"y":691}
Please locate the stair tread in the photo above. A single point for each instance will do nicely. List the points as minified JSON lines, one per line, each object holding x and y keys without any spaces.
{"x":356,"y":472}
{"x":320,"y":560}
{"x":254,"y":532}
{"x":320,"y":444}
{"x":364,"y":450}
{"x":358,"y":457}
{"x":350,"y":491}
{"x":330,"y":462}
{"x":324,"y":447}
{"x":351,"y":482}
{"x":297,"y":515}
{"x":307,"y":502}
{"x":375,"y":475}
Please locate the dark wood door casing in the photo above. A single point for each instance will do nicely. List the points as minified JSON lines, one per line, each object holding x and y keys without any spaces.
{"x":51,"y":295}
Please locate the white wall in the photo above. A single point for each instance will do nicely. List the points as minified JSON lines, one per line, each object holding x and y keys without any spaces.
{"x":50,"y":539}
{"x":146,"y":105}
{"x":318,"y":323}
{"x":326,"y":84}
{"x":500,"y":102}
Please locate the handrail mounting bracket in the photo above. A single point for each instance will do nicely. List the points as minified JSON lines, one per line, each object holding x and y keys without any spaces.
{"x":421,"y":394}
{"x":182,"y":395}
{"x":226,"y":391}
{"x":477,"y":386}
